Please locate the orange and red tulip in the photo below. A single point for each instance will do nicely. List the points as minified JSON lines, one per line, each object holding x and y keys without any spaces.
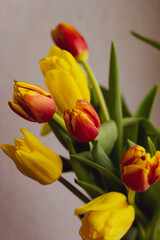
{"x":68,"y":38}
{"x":32,"y":102}
{"x":82,"y":122}
{"x":139,"y":169}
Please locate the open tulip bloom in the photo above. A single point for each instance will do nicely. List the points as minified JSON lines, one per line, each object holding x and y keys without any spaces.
{"x":114,"y":154}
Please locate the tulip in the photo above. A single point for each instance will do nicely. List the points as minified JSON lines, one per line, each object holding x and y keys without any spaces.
{"x":64,"y":78}
{"x":33,"y":159}
{"x":32,"y":102}
{"x":82,"y":121}
{"x":139,"y":169}
{"x":108,"y":217}
{"x":67,"y":37}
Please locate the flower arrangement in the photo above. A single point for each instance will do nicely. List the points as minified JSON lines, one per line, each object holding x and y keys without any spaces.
{"x":113,"y":153}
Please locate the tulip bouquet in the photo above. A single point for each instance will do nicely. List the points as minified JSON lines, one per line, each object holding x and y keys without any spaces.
{"x":113,"y":153}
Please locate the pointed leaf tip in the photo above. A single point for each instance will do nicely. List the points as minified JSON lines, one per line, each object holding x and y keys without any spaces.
{"x":15,"y":81}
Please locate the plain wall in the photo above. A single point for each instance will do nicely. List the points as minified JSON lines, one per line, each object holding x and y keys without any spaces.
{"x":29,"y":211}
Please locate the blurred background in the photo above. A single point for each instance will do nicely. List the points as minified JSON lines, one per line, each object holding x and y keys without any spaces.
{"x":30,"y":211}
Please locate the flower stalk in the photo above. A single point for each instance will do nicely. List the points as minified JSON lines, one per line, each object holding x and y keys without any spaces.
{"x":97,"y":90}
{"x":73,"y":189}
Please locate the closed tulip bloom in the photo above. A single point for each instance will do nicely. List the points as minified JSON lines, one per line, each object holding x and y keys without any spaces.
{"x":64,"y":78}
{"x":108,"y":217}
{"x":139,"y":169}
{"x":82,"y":121}
{"x":33,"y":159}
{"x":67,"y":37}
{"x":32,"y":102}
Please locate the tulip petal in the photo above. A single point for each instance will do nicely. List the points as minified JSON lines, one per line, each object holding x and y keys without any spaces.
{"x":46,"y":129}
{"x":37,"y":166}
{"x":32,"y":87}
{"x":18,"y":110}
{"x":105,"y":201}
{"x":36,"y":145}
{"x":74,"y":69}
{"x":9,"y":150}
{"x":38,"y":104}
{"x":65,"y":95}
{"x":135,"y":178}
{"x":85,"y":229}
{"x":89,"y":132}
{"x":119,"y":223}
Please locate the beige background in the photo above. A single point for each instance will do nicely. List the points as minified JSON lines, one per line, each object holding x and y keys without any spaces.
{"x":29,"y":211}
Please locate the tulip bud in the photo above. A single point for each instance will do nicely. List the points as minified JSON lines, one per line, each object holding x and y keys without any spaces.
{"x":139,"y":170}
{"x":108,"y":216}
{"x":67,"y":37}
{"x":32,"y":102}
{"x":64,"y":78}
{"x":33,"y":159}
{"x":82,"y":122}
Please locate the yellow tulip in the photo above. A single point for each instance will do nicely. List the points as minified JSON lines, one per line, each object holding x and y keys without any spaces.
{"x":64,"y":78}
{"x":109,"y":217}
{"x":33,"y":159}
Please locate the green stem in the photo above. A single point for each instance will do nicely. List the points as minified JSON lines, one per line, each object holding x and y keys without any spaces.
{"x":131,"y":197}
{"x":141,"y":218}
{"x":97,"y":90}
{"x":73,"y":189}
{"x":60,"y":121}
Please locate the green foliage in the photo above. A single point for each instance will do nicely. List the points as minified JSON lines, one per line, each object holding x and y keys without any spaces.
{"x":145,"y":107}
{"x":147,"y":40}
{"x":92,"y":189}
{"x":114,"y":97}
{"x":96,"y":165}
{"x":107,"y":135}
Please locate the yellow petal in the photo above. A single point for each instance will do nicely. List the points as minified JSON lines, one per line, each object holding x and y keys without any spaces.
{"x":56,"y":51}
{"x":63,"y":88}
{"x":9,"y":150}
{"x":20,"y":144}
{"x":85,"y":230}
{"x":75,"y":70}
{"x":45,"y":129}
{"x":31,"y":87}
{"x":38,"y":167}
{"x":36,"y":145}
{"x":112,"y":200}
{"x":17,"y":109}
{"x":119,"y":223}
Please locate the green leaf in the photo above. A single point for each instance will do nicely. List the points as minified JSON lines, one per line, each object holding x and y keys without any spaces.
{"x":80,"y":170}
{"x":114,"y":181}
{"x":60,"y":133}
{"x":93,"y":190}
{"x":115,"y":103}
{"x":131,"y":129}
{"x":151,"y":147}
{"x":151,"y":200}
{"x":100,"y":157}
{"x":131,"y":143}
{"x":147,"y":40}
{"x":131,"y":234}
{"x":125,"y":109}
{"x":15,"y":81}
{"x":153,"y":231}
{"x":146,"y":129}
{"x":145,"y":107}
{"x":107,"y":135}
{"x":66,"y":165}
